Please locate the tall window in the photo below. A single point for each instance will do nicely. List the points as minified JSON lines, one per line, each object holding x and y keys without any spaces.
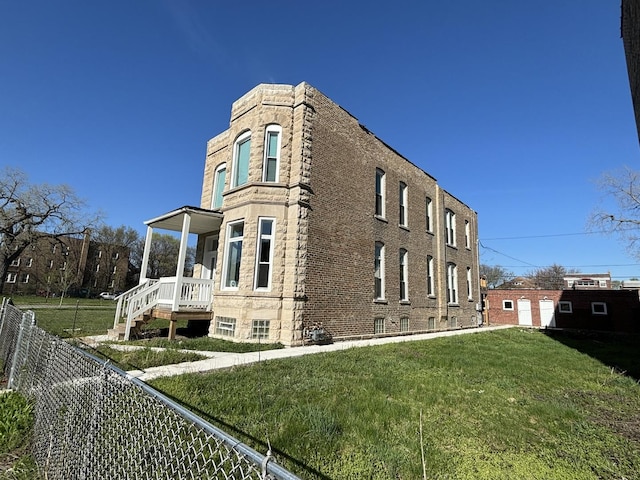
{"x":380,"y":193}
{"x":264,"y":257}
{"x":452,"y":283}
{"x":404,"y":274}
{"x":402,"y":193}
{"x":233,"y":255}
{"x":378,"y":325}
{"x":467,"y":234}
{"x":469,"y":284}
{"x":430,"y":283}
{"x":450,"y":227}
{"x":379,"y":271}
{"x":242,"y":149}
{"x":404,"y":324}
{"x":429,"y":215}
{"x":271,"y":163}
{"x":219,"y":178}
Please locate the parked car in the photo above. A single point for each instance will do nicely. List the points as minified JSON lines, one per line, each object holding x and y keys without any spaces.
{"x":107,"y":296}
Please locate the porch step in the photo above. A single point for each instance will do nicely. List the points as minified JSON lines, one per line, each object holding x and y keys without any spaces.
{"x":117,"y":333}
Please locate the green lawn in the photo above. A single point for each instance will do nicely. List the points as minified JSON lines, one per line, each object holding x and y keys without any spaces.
{"x":16,"y":420}
{"x":494,"y":405}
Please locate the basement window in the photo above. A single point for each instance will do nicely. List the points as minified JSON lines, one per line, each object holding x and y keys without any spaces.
{"x":260,"y":329}
{"x":226,"y":326}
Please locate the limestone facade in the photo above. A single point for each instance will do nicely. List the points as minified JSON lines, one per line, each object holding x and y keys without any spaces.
{"x":304,"y":246}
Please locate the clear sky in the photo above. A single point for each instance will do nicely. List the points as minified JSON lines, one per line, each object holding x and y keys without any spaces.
{"x":514,"y":107}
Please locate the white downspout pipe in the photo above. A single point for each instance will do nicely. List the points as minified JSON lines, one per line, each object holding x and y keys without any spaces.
{"x":182,"y":256}
{"x":145,"y":256}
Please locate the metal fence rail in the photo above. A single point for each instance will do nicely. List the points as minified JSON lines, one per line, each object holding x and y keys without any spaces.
{"x":93,"y":421}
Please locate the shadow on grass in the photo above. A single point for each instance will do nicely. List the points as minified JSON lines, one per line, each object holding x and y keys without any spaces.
{"x":619,"y":351}
{"x":257,"y":444}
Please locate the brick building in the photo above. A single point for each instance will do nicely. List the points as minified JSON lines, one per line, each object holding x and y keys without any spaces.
{"x":630,"y":30}
{"x":74,"y":265}
{"x":589,"y":309}
{"x":308,"y":220}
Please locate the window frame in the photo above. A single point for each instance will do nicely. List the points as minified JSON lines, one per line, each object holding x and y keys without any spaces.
{"x":225,"y":280}
{"x":241,"y":140}
{"x":380,"y":201}
{"x":227,"y":330}
{"x":450,"y":227}
{"x":260,"y":329}
{"x":507,"y":308}
{"x":403,"y":205}
{"x":403,"y":263}
{"x":467,"y":234}
{"x":594,"y":310}
{"x":429,"y":214}
{"x":15,"y":262}
{"x":218,"y":186}
{"x":452,"y":284}
{"x":379,"y":326}
{"x":379,"y":268}
{"x":565,"y":306}
{"x":431,"y":292}
{"x":404,"y":324}
{"x":277,"y":129}
{"x":259,"y":262}
{"x":11,"y":277}
{"x":469,"y":285}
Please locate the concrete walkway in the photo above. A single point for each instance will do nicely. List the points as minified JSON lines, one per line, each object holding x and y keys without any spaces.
{"x":220,"y":360}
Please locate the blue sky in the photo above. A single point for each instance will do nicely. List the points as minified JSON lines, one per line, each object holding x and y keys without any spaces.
{"x":514,"y":107}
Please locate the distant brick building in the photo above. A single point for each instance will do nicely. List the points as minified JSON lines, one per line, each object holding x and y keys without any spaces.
{"x":308,"y":219}
{"x":605,"y":310}
{"x":75,"y":265}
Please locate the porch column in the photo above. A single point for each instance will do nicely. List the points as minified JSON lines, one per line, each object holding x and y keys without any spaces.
{"x":145,"y":256}
{"x":184,"y":238}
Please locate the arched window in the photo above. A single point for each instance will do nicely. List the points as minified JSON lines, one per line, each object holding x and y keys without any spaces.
{"x":219,"y":178}
{"x":241,"y":151}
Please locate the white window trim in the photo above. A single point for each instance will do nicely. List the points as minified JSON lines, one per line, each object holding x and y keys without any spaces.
{"x":568,"y":306}
{"x":271,"y":129}
{"x":404,"y":324}
{"x":404,"y":274}
{"x":467,"y":234}
{"x":599,"y":304}
{"x":504,"y":305}
{"x":429,"y":214}
{"x":431,"y":292}
{"x":226,"y":326}
{"x":271,"y":238}
{"x":378,"y":321}
{"x":25,"y":278}
{"x":15,"y":262}
{"x":383,"y":186}
{"x":11,"y":277}
{"x":216,"y":180}
{"x":403,"y":199}
{"x":450,"y":227}
{"x":382,"y":295}
{"x":452,"y":284}
{"x":246,"y":136}
{"x":227,"y":251}
{"x":469,"y":284}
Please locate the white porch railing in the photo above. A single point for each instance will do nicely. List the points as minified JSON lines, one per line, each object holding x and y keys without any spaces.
{"x":195,"y":294}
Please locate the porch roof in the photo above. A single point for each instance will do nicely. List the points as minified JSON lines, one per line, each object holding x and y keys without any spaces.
{"x":202,"y":220}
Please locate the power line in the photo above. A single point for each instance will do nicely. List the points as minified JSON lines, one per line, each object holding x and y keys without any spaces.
{"x":551,"y":235}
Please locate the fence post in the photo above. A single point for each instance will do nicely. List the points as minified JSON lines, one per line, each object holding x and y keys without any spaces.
{"x":28,"y":320}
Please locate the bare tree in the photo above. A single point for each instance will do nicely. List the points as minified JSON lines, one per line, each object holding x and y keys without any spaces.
{"x":550,"y":278}
{"x":495,"y":274}
{"x":30,"y":212}
{"x":163,"y":256}
{"x":623,"y":218}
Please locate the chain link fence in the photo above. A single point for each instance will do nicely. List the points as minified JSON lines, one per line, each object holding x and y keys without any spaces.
{"x":93,"y":421}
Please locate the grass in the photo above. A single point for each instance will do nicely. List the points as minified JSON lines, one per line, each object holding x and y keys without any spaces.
{"x":144,"y":358}
{"x":206,"y":344}
{"x":16,"y":421}
{"x":495,"y":405}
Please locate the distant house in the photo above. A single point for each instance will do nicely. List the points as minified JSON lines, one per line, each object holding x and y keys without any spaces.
{"x":588,"y":281}
{"x":308,"y":223}
{"x":518,"y":283}
{"x":74,"y":265}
